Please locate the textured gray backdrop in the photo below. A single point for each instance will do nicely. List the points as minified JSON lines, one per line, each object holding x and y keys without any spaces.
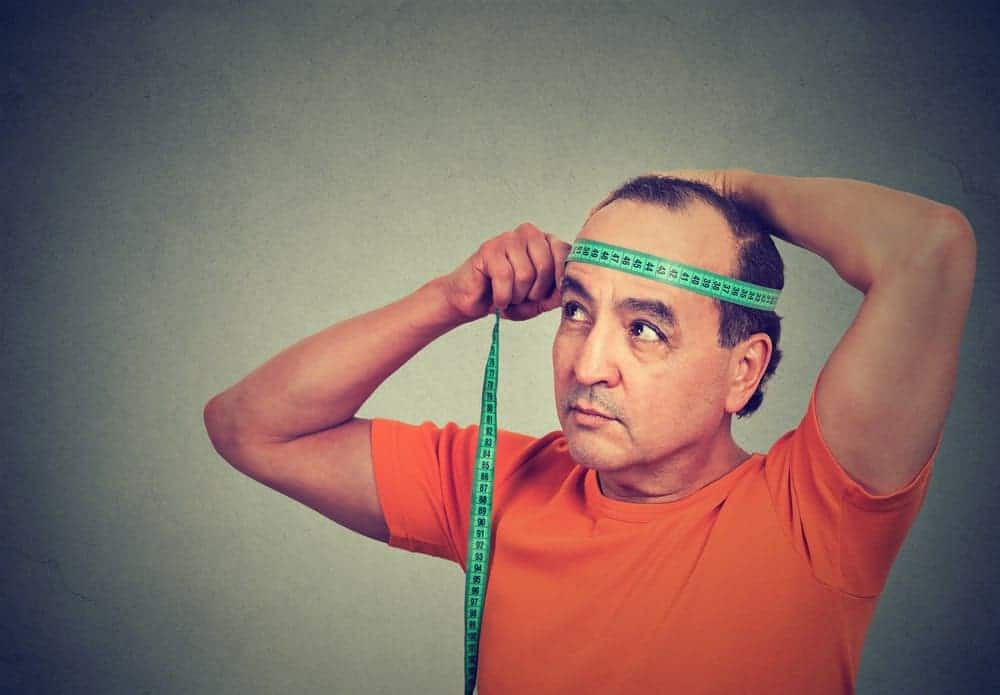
{"x":187,"y":188}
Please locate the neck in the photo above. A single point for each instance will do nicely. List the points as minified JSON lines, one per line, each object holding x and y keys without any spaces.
{"x":675,"y":478}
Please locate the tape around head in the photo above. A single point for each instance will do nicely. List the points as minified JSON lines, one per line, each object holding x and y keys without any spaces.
{"x":704,"y":282}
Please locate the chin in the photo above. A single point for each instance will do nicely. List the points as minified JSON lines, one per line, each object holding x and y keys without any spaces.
{"x":587,"y":452}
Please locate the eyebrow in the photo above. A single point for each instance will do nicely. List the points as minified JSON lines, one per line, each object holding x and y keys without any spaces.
{"x":640,"y":305}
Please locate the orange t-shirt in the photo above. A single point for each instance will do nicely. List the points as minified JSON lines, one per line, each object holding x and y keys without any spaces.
{"x":763,"y":581}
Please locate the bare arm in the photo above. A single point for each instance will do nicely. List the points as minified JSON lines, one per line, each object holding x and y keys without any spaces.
{"x":864,"y":231}
{"x":290,"y":423}
{"x":321,"y":381}
{"x":885,"y":391}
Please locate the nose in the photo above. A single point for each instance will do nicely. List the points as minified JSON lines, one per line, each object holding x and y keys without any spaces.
{"x":596,"y":362}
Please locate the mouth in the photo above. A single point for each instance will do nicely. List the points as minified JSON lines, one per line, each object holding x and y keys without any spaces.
{"x":588,"y":412}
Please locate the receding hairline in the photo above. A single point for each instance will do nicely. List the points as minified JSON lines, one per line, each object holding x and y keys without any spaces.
{"x":684,"y":192}
{"x":732,"y":269}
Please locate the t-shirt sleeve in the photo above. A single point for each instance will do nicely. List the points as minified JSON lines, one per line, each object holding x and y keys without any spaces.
{"x":849,"y":536}
{"x":423,"y":478}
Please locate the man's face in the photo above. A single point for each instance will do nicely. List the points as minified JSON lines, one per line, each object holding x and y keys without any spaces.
{"x":642,"y":352}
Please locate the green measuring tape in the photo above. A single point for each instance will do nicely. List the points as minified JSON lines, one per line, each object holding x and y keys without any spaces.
{"x":477,"y":558}
{"x":672,"y":273}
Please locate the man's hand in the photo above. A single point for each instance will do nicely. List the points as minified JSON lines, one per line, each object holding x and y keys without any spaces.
{"x":518,"y":272}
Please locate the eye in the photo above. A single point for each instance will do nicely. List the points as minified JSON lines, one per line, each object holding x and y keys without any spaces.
{"x":572,"y":311}
{"x":644,"y":332}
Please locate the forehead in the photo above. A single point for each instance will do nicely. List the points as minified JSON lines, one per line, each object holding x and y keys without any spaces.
{"x":698,"y":236}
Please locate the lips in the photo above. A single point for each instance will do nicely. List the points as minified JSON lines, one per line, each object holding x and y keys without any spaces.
{"x":587,"y":410}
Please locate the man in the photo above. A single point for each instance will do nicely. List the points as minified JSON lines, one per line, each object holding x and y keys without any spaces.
{"x":641,"y":549}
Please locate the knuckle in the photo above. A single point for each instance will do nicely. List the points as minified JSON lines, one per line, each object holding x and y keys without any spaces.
{"x":502,"y":271}
{"x":546,"y":263}
{"x":486,"y":248}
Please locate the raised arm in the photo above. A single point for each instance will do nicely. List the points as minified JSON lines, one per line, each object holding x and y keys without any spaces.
{"x":884,"y":392}
{"x":290,"y":423}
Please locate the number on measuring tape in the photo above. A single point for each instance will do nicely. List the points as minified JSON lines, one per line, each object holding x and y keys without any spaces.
{"x":477,"y":556}
{"x":697,"y":280}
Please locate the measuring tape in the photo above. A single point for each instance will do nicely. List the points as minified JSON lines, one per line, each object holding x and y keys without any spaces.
{"x":477,"y":557}
{"x":672,"y":273}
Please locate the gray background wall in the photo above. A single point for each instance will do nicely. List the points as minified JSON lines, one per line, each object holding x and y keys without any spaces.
{"x":187,"y":188}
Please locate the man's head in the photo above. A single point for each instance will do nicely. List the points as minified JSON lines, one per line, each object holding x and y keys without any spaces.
{"x":668,"y":364}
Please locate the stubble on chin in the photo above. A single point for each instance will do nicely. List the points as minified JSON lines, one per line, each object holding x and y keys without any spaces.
{"x":593,"y":449}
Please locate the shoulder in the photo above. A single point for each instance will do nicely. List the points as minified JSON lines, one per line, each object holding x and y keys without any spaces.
{"x":802,"y":463}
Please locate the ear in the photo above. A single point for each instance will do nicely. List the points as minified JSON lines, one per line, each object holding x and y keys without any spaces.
{"x":747,"y":364}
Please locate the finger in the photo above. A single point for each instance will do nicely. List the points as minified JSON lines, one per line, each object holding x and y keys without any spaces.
{"x":551,"y":302}
{"x":540,"y":254}
{"x":523,"y":311}
{"x":500,"y":273}
{"x":560,"y":250}
{"x":524,"y":269}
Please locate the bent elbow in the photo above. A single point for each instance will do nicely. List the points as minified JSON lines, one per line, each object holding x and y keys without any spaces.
{"x":946,"y":248}
{"x":220,"y":434}
{"x":956,"y":245}
{"x":952,"y":230}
